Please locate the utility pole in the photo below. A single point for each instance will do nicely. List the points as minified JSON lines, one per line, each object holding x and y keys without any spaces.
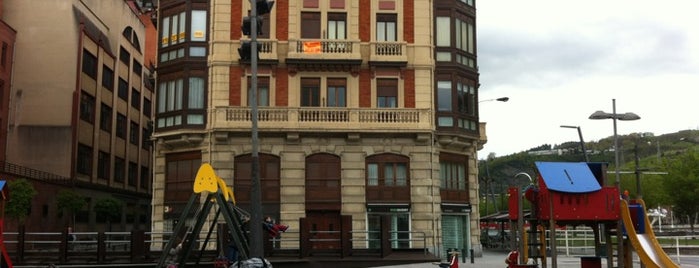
{"x":250,"y":51}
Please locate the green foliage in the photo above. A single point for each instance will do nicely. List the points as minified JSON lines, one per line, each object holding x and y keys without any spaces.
{"x":108,"y":209}
{"x":683,"y":182}
{"x":70,"y":201}
{"x":21,"y":193}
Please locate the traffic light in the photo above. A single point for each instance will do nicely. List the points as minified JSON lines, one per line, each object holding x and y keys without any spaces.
{"x":262,"y":7}
{"x":245,"y":51}
{"x":247,"y":26}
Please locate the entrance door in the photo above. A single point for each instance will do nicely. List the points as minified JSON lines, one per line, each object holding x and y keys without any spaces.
{"x":324,"y":229}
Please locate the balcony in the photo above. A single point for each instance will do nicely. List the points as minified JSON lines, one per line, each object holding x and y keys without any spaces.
{"x":268,"y":50}
{"x":324,"y":55}
{"x":324,"y":118}
{"x":388,"y":53}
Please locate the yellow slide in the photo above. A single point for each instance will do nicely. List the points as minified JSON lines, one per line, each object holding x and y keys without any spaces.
{"x":646,"y":245}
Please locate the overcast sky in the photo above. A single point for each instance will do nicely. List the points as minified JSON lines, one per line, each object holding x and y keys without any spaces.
{"x":559,"y":61}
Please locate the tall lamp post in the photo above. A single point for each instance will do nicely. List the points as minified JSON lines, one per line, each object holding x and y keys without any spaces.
{"x":582,"y":142}
{"x":624,"y":117}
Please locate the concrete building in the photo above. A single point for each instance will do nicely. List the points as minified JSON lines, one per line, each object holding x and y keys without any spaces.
{"x":80,"y":105}
{"x":7,"y":43}
{"x":366,"y":108}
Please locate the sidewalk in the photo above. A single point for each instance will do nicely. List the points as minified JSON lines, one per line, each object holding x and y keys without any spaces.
{"x":494,"y":259}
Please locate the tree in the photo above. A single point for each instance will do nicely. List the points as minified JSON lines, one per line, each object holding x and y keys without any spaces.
{"x":70,"y":201}
{"x":108,"y":209}
{"x":21,"y":194}
{"x":682,"y":182}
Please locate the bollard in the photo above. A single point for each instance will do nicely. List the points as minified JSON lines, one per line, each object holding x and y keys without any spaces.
{"x":471,"y":252}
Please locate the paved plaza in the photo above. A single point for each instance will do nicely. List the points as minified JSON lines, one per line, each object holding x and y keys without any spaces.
{"x":496,"y":259}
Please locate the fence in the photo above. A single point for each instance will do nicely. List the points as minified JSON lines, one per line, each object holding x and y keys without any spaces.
{"x":145,"y":247}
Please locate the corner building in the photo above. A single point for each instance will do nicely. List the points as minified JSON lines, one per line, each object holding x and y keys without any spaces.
{"x":366,"y":108}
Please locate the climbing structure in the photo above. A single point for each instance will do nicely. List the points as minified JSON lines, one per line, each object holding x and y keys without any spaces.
{"x":564,"y":194}
{"x":573,"y":194}
{"x":206,"y":184}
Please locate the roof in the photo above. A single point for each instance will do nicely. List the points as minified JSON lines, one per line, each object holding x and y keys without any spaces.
{"x":568,"y":177}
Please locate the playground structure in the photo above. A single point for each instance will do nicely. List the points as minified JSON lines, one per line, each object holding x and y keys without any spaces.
{"x":207,"y":184}
{"x":573,"y":194}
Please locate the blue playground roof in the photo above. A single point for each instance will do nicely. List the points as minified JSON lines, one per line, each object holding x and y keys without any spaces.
{"x":568,"y":177}
{"x":2,"y":184}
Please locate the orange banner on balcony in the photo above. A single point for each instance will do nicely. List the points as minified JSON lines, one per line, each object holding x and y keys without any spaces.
{"x":311,"y":47}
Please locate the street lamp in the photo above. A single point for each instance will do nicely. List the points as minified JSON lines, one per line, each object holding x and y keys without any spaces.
{"x":624,"y":117}
{"x":582,"y":142}
{"x":503,"y":99}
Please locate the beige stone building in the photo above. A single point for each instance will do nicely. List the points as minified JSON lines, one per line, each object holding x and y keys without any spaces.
{"x":80,"y":103}
{"x":366,"y":108}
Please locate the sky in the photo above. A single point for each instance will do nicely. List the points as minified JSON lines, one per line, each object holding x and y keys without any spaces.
{"x":559,"y":61}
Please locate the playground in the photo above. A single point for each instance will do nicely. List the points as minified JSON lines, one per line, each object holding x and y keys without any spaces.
{"x":565,"y":195}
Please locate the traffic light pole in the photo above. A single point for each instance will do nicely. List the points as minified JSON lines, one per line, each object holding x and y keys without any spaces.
{"x":256,"y":237}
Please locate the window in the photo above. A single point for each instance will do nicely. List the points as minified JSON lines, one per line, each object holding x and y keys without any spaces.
{"x":399,"y":226}
{"x":133,"y":174}
{"x":468,"y":2}
{"x":124,"y":56}
{"x":195,"y":100}
{"x":453,"y":178}
{"x":123,"y":89}
{"x":443,"y":38}
{"x":456,"y":101}
{"x":145,"y":177}
{"x":387,"y":170}
{"x":386,"y":27}
{"x":452,"y":175}
{"x":443,"y":31}
{"x":84,"y":160}
{"x":133,"y":133}
{"x":103,"y":165}
{"x":171,"y":99}
{"x":198,"y":33}
{"x":337,"y":92}
{"x":310,"y":25}
{"x":135,"y":99}
{"x":121,"y":126}
{"x":386,"y":93}
{"x":464,"y":36}
{"x":337,"y":26}
{"x":147,"y":108}
{"x":444,"y":95}
{"x":87,"y":107}
{"x":466,"y":101}
{"x":310,"y":92}
{"x":262,"y":91}
{"x":89,"y":64}
{"x":145,"y":138}
{"x":119,"y":169}
{"x":106,"y":117}
{"x":173,"y":32}
{"x":107,"y":78}
{"x":137,"y":67}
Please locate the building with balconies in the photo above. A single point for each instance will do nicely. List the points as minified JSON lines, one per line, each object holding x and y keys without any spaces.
{"x":365,"y":109}
{"x":79,"y":109}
